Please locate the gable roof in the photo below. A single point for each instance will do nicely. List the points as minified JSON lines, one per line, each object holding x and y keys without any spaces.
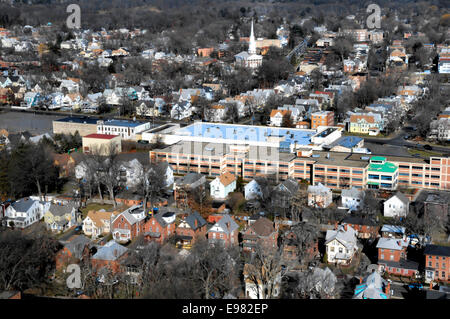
{"x":77,"y":244}
{"x":367,"y":118}
{"x":227,"y":178}
{"x":345,"y":237}
{"x":392,"y":243}
{"x":191,"y":218}
{"x":226,"y":223}
{"x":263,"y":227}
{"x":110,"y":251}
{"x":23,"y":204}
{"x":401,"y":197}
{"x":98,"y":216}
{"x":61,"y":210}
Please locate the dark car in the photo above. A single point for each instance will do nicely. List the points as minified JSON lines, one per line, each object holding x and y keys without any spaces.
{"x":143,"y":142}
{"x":428,"y":147}
{"x":415,"y":285}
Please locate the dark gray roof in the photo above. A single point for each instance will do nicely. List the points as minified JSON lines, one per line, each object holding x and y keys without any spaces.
{"x":190,"y":220}
{"x":77,"y":245}
{"x":436,"y":250}
{"x":23,"y":204}
{"x":403,"y":263}
{"x":189,"y":179}
{"x":61,"y":210}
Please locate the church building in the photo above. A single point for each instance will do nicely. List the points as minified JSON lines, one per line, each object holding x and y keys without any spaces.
{"x":249,"y":58}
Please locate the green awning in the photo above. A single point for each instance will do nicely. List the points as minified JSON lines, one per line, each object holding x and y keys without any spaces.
{"x":373,"y":183}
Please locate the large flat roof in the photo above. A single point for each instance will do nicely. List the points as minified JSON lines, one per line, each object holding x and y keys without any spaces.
{"x":219,"y":149}
{"x":123,"y":123}
{"x":80,"y":120}
{"x":248,"y":133}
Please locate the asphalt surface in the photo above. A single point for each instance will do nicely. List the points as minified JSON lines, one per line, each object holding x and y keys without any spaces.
{"x":399,"y":141}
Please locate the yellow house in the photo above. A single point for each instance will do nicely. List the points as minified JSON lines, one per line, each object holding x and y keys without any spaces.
{"x":61,"y":217}
{"x":362,"y":124}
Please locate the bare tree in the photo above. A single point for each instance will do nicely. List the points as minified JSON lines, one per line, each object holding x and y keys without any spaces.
{"x":265,"y":271}
{"x":304,"y":236}
{"x":152,"y":182}
{"x":317,"y":283}
{"x":215,"y":268}
{"x":110,"y":173}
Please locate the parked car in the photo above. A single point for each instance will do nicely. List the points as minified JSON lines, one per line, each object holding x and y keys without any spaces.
{"x":428,"y":147}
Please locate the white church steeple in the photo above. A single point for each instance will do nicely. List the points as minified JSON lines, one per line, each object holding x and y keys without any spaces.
{"x":252,"y":43}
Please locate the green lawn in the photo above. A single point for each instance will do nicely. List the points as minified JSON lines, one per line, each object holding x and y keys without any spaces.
{"x":423,"y":153}
{"x":96,"y":207}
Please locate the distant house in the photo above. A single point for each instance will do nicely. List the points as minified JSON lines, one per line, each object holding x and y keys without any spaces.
{"x":225,"y":231}
{"x":222,"y":185}
{"x":353,"y":198}
{"x":341,"y":245}
{"x":60,"y":218}
{"x":25,"y":212}
{"x":110,"y":256}
{"x":262,"y":232}
{"x":396,"y":206}
{"x":160,"y":226}
{"x":97,"y":223}
{"x":319,"y":196}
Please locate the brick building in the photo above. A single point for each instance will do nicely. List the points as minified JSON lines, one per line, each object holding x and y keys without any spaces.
{"x":437,"y":263}
{"x":262,"y":232}
{"x":159,"y":227}
{"x":392,"y":257}
{"x":322,"y":118}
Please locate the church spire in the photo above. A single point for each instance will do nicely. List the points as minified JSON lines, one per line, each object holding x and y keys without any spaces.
{"x":252,"y":44}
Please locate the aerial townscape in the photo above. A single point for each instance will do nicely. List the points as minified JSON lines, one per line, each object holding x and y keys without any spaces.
{"x":225,"y":149}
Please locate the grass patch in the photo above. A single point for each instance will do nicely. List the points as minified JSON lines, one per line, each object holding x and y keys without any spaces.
{"x":96,"y":207}
{"x":423,"y":153}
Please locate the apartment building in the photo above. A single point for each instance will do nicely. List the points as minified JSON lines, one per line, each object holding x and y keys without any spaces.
{"x":322,"y":118}
{"x":335,"y":170}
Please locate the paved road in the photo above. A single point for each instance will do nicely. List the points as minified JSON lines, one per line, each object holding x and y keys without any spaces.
{"x":399,"y":140}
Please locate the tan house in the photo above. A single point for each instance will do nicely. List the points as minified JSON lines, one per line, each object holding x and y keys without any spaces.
{"x":98,"y":223}
{"x":102,"y":144}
